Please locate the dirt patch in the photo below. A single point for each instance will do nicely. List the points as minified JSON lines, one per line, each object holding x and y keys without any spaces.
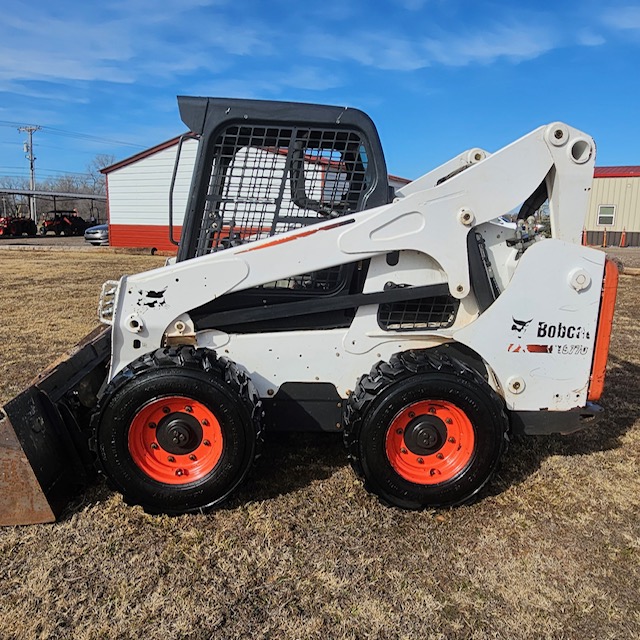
{"x":552,"y":550}
{"x":629,"y":257}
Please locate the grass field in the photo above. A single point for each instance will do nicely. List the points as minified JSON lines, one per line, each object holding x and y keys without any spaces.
{"x":552,"y":550}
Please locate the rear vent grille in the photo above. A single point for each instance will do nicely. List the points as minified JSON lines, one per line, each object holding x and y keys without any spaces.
{"x":435,"y":312}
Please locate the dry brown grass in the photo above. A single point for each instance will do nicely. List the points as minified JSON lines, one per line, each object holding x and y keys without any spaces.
{"x":553,"y":551}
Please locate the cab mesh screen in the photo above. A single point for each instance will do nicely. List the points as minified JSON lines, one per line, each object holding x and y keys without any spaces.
{"x":268,"y":180}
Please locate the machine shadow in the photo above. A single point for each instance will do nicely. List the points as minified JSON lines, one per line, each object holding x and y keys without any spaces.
{"x":290,"y":461}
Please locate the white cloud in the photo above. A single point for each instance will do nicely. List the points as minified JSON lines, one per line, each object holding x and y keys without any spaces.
{"x":381,"y":50}
{"x":308,"y":78}
{"x":123,"y":42}
{"x":240,"y":40}
{"x":412,"y":5}
{"x":511,"y":42}
{"x":57,"y":52}
{"x":44,"y":91}
{"x":54,"y":65}
{"x":588,"y":38}
{"x":390,"y":51}
{"x":624,"y":18}
{"x":269,"y":84}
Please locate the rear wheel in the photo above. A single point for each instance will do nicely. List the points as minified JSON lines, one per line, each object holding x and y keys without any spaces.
{"x":425,"y":430}
{"x":178,"y":430}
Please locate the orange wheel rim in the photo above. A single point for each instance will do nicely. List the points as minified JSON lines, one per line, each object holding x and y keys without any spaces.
{"x":430,"y":442}
{"x":175,"y":440}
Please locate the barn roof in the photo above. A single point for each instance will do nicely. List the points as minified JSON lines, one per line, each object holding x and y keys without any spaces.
{"x":139,"y":156}
{"x":617,"y":172}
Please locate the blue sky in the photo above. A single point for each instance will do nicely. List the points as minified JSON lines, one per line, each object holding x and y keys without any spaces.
{"x":437,"y":76}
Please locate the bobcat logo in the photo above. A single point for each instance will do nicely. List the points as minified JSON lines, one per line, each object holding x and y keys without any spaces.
{"x":520,"y":325}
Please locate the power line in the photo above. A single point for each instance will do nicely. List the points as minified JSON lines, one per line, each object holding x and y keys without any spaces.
{"x":74,"y":134}
{"x":47,"y":170}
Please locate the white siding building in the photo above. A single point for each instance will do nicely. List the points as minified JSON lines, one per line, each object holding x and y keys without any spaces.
{"x":614,"y":207}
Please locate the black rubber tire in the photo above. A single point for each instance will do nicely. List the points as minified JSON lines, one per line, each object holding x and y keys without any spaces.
{"x":199,"y":374}
{"x":415,"y":376}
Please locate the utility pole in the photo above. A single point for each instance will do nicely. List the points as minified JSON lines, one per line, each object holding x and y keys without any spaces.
{"x":28,"y":149}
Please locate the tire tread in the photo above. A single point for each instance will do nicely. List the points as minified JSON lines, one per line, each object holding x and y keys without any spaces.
{"x":180,"y":357}
{"x":383,"y":375}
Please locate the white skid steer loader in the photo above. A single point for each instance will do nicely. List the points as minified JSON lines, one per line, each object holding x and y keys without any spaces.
{"x":306,"y":294}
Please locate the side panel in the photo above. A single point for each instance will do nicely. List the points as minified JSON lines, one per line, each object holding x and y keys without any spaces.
{"x":538,"y":336}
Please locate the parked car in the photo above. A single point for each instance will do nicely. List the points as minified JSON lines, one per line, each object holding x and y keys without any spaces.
{"x":97,"y":235}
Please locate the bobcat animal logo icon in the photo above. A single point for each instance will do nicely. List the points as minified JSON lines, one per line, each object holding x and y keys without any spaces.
{"x":520,"y":325}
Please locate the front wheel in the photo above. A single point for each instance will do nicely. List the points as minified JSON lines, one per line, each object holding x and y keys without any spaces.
{"x":425,"y":430}
{"x":178,"y":430}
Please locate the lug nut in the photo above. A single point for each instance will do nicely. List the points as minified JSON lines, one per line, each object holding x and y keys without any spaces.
{"x":171,"y":459}
{"x":399,"y":432}
{"x":449,"y":421}
{"x":206,"y":443}
{"x":192,"y":457}
{"x":412,"y":414}
{"x":205,"y":422}
{"x":188,"y":409}
{"x":154,"y":445}
{"x":451,"y":440}
{"x":166,"y":410}
{"x":179,"y":472}
{"x":403,"y":450}
{"x":420,"y":461}
{"x":439,"y":456}
{"x":152,"y":425}
{"x":432,"y":409}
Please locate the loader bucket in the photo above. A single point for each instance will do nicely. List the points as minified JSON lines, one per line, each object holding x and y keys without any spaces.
{"x":44,"y":453}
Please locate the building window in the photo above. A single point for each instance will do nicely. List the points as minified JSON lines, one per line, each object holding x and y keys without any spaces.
{"x":605,"y":214}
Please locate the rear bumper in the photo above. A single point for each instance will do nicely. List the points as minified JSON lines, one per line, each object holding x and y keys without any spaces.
{"x":97,"y":239}
{"x":543,"y":423}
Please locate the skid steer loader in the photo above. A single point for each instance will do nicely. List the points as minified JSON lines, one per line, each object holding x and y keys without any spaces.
{"x":307,"y":294}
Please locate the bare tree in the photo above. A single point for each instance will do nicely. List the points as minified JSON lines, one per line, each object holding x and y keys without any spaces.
{"x":10,"y":203}
{"x":98,"y":163}
{"x":91,"y":182}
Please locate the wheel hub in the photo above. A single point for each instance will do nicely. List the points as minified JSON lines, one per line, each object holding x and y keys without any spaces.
{"x":179,"y":433}
{"x":175,"y":440}
{"x":429,"y":441}
{"x":425,"y":435}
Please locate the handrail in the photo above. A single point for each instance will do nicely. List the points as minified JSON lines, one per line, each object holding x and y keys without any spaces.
{"x":183,"y":137}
